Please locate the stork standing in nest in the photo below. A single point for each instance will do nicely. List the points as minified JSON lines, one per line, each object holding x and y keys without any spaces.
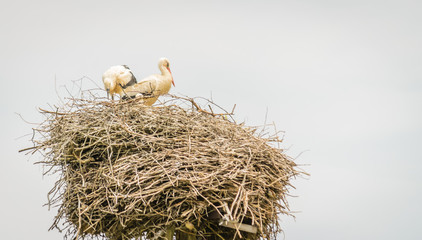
{"x":151,"y":87}
{"x":118,"y":78}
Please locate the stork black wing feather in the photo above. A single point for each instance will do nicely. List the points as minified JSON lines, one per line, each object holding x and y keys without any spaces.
{"x":132,"y":80}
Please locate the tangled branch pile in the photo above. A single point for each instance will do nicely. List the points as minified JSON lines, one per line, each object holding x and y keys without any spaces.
{"x":130,"y":171}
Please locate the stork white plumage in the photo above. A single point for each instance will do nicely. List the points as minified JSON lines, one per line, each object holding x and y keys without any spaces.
{"x":118,"y":78}
{"x":152,"y":86}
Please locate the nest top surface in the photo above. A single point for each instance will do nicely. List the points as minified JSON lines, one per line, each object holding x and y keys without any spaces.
{"x":128,"y":170}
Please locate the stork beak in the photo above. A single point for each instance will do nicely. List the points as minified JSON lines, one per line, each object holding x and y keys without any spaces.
{"x":172,"y":81}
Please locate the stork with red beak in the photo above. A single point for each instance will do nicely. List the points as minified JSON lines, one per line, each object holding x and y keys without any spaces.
{"x":150,"y":88}
{"x":118,"y":78}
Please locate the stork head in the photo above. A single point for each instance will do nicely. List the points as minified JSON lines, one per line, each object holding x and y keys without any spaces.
{"x":164,"y":62}
{"x":109,"y":86}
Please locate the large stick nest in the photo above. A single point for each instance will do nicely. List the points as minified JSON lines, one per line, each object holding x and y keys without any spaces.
{"x":129,"y":171}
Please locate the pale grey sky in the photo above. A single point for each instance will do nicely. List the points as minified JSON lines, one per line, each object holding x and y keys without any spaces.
{"x":341,"y":78}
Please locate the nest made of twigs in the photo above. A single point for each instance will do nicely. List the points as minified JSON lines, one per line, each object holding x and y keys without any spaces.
{"x":130,"y":171}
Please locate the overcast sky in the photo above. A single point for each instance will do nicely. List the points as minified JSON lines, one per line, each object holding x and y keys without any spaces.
{"x":342,"y":78}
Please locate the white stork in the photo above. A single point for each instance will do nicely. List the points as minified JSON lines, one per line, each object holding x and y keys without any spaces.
{"x":118,"y":78}
{"x":153,"y":86}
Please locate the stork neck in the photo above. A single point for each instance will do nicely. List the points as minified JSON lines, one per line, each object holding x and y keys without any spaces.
{"x":164,"y":71}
